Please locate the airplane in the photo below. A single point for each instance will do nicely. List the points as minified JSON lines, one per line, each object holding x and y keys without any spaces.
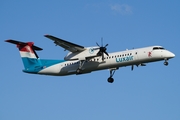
{"x":81,"y":60}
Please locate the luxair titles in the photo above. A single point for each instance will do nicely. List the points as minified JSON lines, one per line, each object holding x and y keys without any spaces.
{"x":124,"y":59}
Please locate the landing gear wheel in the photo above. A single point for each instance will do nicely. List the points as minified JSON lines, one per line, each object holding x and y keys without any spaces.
{"x":110,"y":80}
{"x":166,"y":63}
{"x":112,"y":71}
{"x":78,"y":71}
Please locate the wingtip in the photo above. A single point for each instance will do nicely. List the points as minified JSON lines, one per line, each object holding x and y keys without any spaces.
{"x":8,"y":40}
{"x":46,"y":35}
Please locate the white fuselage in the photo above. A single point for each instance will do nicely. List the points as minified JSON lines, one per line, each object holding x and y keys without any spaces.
{"x":113,"y":61}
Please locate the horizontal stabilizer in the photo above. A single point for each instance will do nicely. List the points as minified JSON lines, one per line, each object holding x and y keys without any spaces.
{"x":23,"y":44}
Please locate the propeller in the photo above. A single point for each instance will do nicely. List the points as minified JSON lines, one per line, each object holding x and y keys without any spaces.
{"x":102,"y":49}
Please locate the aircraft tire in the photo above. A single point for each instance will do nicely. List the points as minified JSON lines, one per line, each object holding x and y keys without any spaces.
{"x":166,"y":63}
{"x":110,"y":80}
{"x":78,"y":71}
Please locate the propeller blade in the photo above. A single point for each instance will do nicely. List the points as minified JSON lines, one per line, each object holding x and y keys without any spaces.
{"x":97,"y":44}
{"x":106,"y":45}
{"x":106,"y":53}
{"x":99,"y":53}
{"x":102,"y":42}
{"x":96,"y":48}
{"x":102,"y":56}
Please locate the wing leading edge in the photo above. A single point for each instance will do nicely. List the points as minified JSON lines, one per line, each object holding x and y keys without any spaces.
{"x":66,"y":45}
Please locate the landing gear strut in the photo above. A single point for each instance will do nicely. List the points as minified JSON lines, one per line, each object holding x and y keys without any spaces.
{"x":79,"y":70}
{"x":110,"y":79}
{"x":166,"y":62}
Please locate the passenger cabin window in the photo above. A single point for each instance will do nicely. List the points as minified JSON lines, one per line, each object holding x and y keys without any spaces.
{"x":158,"y":48}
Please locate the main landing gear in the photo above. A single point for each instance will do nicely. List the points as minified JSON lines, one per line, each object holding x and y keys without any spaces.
{"x":78,"y":71}
{"x":81,"y":63}
{"x":110,"y":79}
{"x":166,"y":62}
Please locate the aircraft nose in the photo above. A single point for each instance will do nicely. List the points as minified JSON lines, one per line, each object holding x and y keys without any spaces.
{"x":171,"y":55}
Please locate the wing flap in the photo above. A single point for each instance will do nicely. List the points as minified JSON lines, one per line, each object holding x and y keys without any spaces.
{"x":66,"y":45}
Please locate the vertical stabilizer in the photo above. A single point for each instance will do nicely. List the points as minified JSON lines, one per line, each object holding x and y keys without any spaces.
{"x":28,"y":54}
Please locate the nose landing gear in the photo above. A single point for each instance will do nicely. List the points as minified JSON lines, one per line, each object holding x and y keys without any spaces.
{"x":166,"y":62}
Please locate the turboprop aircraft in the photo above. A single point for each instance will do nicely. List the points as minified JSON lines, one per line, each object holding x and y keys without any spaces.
{"x":81,"y":60}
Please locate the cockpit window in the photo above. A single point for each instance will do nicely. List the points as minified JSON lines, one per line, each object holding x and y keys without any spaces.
{"x":155,"y":48}
{"x":161,"y":48}
{"x":158,"y":48}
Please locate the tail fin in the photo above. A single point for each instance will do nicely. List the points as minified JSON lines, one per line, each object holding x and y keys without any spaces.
{"x":28,"y":54}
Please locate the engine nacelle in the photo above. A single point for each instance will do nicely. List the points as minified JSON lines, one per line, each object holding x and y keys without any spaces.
{"x":88,"y":53}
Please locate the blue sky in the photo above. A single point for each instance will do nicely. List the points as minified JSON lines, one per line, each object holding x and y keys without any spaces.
{"x":147,"y":93}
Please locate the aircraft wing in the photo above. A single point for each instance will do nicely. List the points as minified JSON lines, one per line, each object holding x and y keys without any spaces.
{"x":66,"y":45}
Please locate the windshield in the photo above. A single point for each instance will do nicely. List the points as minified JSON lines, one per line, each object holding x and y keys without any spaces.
{"x":158,"y":48}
